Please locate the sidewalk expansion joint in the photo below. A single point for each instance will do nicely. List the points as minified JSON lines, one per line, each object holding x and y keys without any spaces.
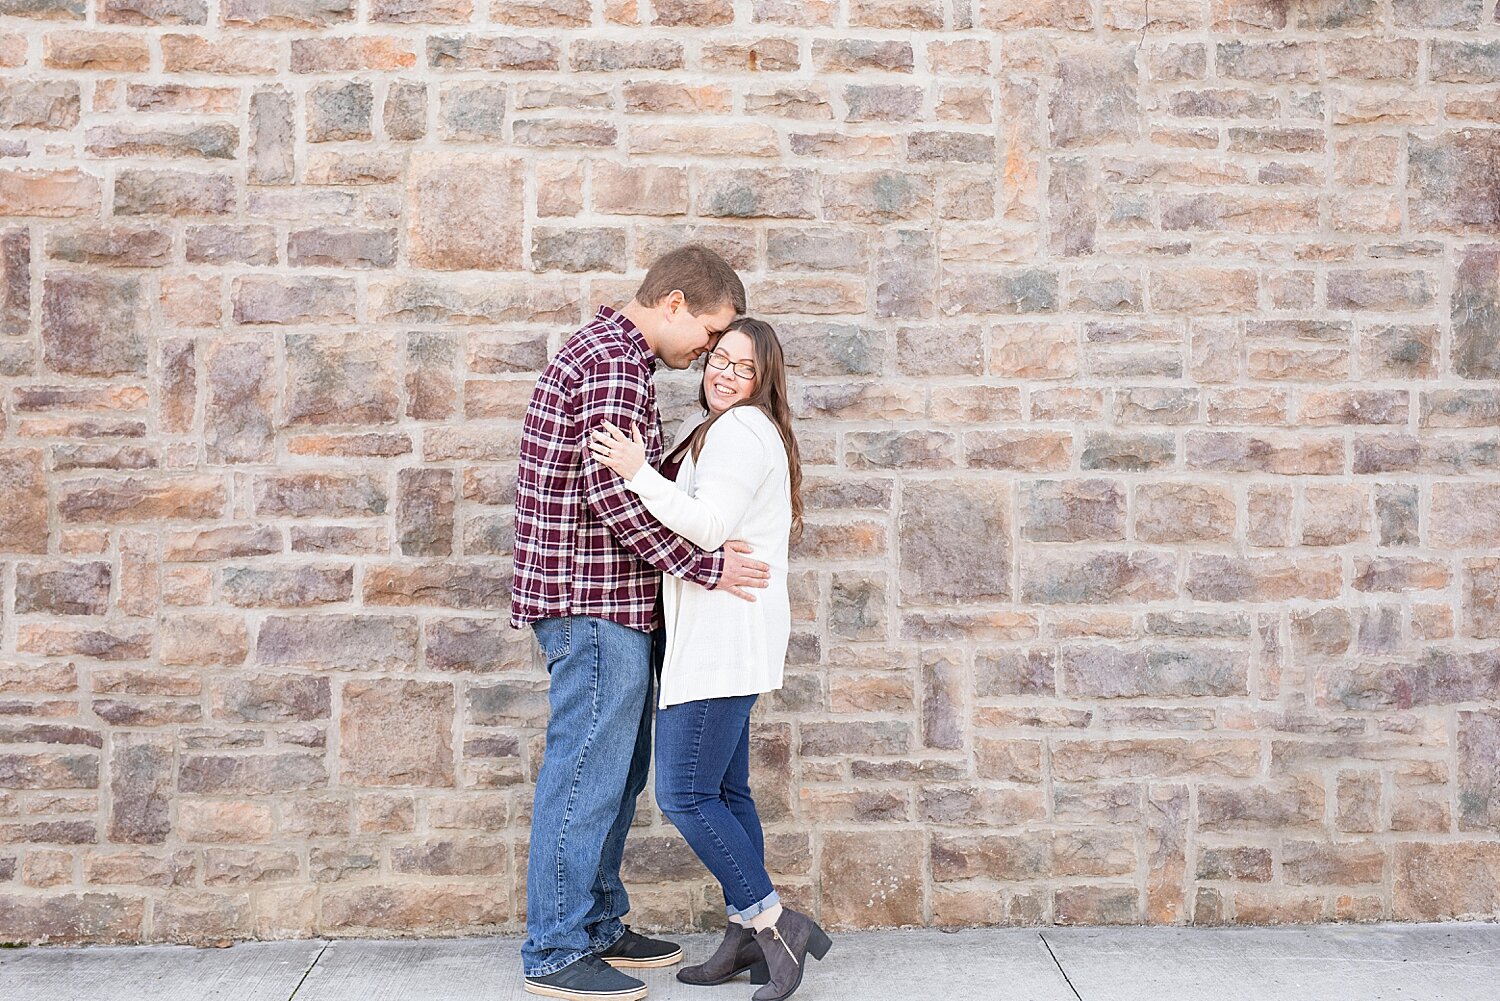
{"x":309,"y":970}
{"x":1059,"y":966}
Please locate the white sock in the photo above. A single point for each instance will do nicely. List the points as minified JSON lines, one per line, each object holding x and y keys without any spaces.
{"x":766,"y":918}
{"x":735,"y":919}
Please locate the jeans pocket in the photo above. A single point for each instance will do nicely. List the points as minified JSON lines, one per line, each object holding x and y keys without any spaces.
{"x":555,"y":636}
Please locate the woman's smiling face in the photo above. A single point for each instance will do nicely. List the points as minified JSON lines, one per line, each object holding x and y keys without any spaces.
{"x":725,"y":386}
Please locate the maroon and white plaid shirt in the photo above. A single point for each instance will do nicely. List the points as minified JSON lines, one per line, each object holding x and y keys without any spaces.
{"x":585,"y":545}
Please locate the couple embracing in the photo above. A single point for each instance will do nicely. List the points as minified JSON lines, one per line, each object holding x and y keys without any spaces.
{"x":642,"y":568}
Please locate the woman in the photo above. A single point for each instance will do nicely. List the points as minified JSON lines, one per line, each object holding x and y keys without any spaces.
{"x":734,"y":475}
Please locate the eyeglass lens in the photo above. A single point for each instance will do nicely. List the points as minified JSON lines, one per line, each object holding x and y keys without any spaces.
{"x":743,"y":369}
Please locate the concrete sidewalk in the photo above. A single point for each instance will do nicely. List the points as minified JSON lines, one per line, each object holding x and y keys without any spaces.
{"x":1448,"y":962}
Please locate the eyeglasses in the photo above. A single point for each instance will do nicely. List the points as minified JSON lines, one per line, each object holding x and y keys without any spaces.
{"x":742,"y":369}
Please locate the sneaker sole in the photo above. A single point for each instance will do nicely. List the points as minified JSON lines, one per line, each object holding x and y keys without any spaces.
{"x":655,"y":962}
{"x":635,"y":994}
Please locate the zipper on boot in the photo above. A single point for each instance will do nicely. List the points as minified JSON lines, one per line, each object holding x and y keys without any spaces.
{"x":776,"y":933}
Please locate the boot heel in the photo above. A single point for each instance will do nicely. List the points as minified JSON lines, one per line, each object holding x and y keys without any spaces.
{"x":760,"y":973}
{"x":818,"y":943}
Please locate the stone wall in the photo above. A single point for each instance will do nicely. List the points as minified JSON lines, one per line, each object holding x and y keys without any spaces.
{"x":1149,"y":373}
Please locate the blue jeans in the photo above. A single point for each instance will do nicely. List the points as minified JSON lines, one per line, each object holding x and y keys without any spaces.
{"x":598,"y":753}
{"x":703,"y":786}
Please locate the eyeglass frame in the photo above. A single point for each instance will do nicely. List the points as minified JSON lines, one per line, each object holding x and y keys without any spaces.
{"x":730,"y":365}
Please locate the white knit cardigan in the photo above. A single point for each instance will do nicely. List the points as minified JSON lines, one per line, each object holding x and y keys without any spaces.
{"x":739,"y":488}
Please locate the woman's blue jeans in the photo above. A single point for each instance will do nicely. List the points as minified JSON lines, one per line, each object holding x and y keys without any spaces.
{"x":703,"y":787}
{"x":597,"y":757}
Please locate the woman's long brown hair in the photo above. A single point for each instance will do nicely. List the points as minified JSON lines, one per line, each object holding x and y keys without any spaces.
{"x":770,"y":396}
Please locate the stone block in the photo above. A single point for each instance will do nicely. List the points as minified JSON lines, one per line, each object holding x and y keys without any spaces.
{"x":63,"y":588}
{"x":217,"y":141}
{"x":1464,"y":515}
{"x":396,"y":733}
{"x":1096,"y":98}
{"x":1160,"y":672}
{"x":1070,"y":577}
{"x":240,"y":410}
{"x":1445,"y":881}
{"x":1475,"y":308}
{"x":96,"y":50}
{"x":1183,"y":512}
{"x":50,"y":105}
{"x":873,"y":878}
{"x":955,"y":543}
{"x":233,"y":55}
{"x":339,"y":642}
{"x":464,"y":212}
{"x":93,"y":324}
{"x":740,"y":194}
{"x":251,"y":774}
{"x":287,"y":13}
{"x":340,"y":379}
{"x":339,"y":111}
{"x":1449,"y":190}
{"x":73,"y":918}
{"x":376,"y":907}
{"x":640,"y":190}
{"x":138,"y":499}
{"x":141,"y":788}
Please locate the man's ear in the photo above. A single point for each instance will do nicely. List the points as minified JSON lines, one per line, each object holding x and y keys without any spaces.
{"x":674,"y":301}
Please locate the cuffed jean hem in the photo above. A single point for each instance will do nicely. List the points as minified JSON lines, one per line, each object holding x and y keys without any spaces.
{"x":599,"y":945}
{"x":552,"y":966}
{"x":595,"y":946}
{"x":759,"y":907}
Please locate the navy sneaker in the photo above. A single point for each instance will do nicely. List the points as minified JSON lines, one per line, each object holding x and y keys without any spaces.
{"x":587,"y":979}
{"x":635,"y":951}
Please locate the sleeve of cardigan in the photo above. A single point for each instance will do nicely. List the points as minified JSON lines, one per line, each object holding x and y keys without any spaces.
{"x":733,"y":464}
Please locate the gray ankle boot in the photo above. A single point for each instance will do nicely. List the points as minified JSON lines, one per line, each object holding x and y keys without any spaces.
{"x":786,"y":946}
{"x":736,"y":954}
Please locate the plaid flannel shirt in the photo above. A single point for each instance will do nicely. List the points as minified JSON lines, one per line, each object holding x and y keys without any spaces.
{"x":585,"y":545}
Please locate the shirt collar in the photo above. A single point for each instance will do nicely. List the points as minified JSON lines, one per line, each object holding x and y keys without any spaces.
{"x":633,"y":333}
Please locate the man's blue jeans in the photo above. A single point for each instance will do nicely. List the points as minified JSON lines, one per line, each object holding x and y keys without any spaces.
{"x":598,"y":754}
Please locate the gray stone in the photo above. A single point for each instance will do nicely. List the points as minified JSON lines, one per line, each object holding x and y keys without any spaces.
{"x":955,"y":543}
{"x":52,"y":105}
{"x":93,"y":324}
{"x":1476,"y":314}
{"x":241,"y":401}
{"x":140,"y":788}
{"x":1095,"y":99}
{"x":473,"y":112}
{"x":906,"y":274}
{"x":340,"y":110}
{"x":1451,"y":188}
{"x":341,"y":379}
{"x":405,"y":111}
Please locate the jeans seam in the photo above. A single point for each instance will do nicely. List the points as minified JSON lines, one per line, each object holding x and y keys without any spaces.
{"x":609,"y":893}
{"x":724,"y":851}
{"x":615,"y":886}
{"x":588,"y":743}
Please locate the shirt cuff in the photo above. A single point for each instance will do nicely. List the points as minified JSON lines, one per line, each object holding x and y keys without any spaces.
{"x":714,"y":562}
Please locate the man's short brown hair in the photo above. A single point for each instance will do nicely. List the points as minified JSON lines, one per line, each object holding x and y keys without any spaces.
{"x":705,"y":279}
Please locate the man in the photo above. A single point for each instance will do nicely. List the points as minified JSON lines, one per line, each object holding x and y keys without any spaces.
{"x":587,"y":563}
